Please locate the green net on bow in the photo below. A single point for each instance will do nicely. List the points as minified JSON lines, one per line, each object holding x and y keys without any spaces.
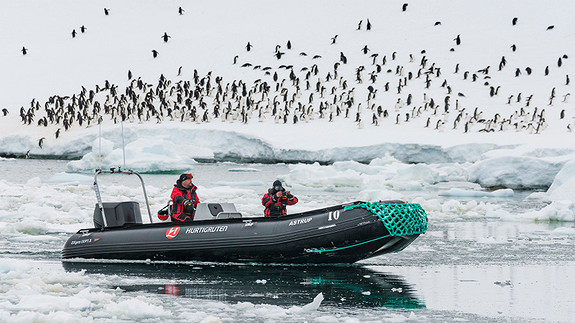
{"x":400,"y":219}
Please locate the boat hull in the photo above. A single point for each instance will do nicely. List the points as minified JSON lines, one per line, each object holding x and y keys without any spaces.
{"x":331,"y":235}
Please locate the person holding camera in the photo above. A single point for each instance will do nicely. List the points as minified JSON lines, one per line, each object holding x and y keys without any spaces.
{"x":185,"y":199}
{"x":276,"y":200}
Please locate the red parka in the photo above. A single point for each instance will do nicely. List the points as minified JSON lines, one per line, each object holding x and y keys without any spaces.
{"x":179,"y":195}
{"x":277,"y":206}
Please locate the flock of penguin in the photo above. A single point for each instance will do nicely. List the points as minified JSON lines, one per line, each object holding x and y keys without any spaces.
{"x":384,"y":90}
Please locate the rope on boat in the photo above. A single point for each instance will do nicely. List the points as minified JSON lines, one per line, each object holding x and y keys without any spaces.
{"x":400,"y":219}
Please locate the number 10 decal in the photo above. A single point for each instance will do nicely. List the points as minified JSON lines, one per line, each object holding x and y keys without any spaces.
{"x":333,"y":215}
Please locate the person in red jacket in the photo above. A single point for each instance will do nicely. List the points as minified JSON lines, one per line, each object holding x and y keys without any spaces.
{"x":276,"y":200}
{"x":185,"y":199}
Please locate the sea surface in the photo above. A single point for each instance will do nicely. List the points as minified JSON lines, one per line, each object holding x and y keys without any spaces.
{"x":470,"y":269}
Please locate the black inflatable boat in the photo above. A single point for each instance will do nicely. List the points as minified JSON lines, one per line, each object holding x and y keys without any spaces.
{"x":343,"y":233}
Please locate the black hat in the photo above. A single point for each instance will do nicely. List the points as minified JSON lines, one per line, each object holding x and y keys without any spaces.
{"x":277,"y":185}
{"x":183,"y":177}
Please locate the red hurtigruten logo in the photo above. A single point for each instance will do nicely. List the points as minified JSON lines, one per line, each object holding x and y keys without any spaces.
{"x":172,"y":232}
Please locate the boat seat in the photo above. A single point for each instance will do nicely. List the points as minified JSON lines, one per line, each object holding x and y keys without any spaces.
{"x":214,"y":211}
{"x":117,"y":214}
{"x":228,"y":215}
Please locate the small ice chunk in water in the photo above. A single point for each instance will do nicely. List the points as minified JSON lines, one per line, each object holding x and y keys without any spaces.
{"x":313,"y":306}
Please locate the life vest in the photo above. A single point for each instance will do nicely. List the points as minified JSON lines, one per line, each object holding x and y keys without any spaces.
{"x":277,"y":206}
{"x":186,"y":194}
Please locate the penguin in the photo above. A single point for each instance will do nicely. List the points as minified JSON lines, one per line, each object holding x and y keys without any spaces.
{"x":550,"y":27}
{"x":288,"y":44}
{"x":83,"y":29}
{"x":27,"y":155}
{"x":249,"y":46}
{"x":502,"y":63}
{"x":437,"y":23}
{"x":457,"y":40}
{"x":365,"y":49}
{"x":180,"y":71}
{"x":368,"y":25}
{"x":513,"y":47}
{"x":57,"y":133}
{"x":514,"y":21}
{"x":404,"y":7}
{"x":155,"y":53}
{"x":342,"y":58}
{"x":333,"y":39}
{"x":129,"y":75}
{"x":546,"y":70}
{"x":106,"y":11}
{"x":359,"y":25}
{"x":73,"y":33}
{"x":181,"y":11}
{"x":166,"y":37}
{"x":24,"y":50}
{"x":236,"y":59}
{"x":5,"y":111}
{"x":41,"y":142}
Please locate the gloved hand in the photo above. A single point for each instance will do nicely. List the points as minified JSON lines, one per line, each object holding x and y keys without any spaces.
{"x":188,"y":206}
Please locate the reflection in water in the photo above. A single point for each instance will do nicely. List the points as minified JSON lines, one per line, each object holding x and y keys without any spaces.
{"x":348,"y":286}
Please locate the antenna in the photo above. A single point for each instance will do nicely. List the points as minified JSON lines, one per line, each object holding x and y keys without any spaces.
{"x":123,"y":145}
{"x":99,"y":145}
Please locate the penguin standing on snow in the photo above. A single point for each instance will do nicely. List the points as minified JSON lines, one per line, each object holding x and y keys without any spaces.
{"x":166,"y":37}
{"x":41,"y":142}
{"x":457,"y":40}
{"x":342,"y":58}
